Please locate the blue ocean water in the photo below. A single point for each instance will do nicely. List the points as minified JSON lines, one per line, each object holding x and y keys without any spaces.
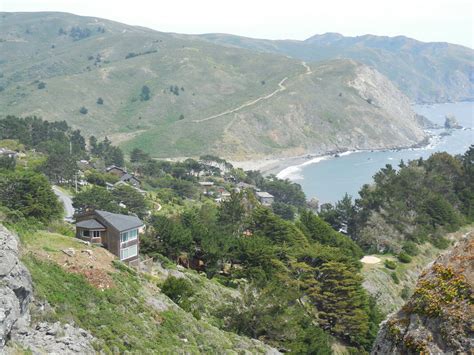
{"x":329,"y":179}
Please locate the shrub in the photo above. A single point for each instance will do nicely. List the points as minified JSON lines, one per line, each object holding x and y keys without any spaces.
{"x":100,"y":101}
{"x":404,"y":257}
{"x":179,"y":290}
{"x":41,"y":85}
{"x":83,"y":110}
{"x":440,"y":242}
{"x":405,"y":294}
{"x":390,"y":264}
{"x":395,"y":278}
{"x":411,"y":248}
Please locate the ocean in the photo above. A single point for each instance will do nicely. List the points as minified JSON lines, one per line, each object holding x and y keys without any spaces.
{"x":329,"y":178}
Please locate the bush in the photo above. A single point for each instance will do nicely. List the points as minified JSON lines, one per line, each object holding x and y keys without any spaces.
{"x":100,"y":101}
{"x":41,"y":85}
{"x":179,"y":290}
{"x":440,"y":242}
{"x":395,"y":278}
{"x":390,"y":264}
{"x":83,"y":110}
{"x":405,"y":294}
{"x":411,"y":248}
{"x":404,"y":257}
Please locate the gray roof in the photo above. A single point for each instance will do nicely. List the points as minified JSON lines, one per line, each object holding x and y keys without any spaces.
{"x":90,"y":224}
{"x":127,"y":177}
{"x":264,"y":194}
{"x":120,"y":222}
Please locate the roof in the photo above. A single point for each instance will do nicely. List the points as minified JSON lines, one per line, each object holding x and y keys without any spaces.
{"x":120,"y":222}
{"x":264,"y":194}
{"x":90,"y":224}
{"x":127,"y":177}
{"x":206,"y":183}
{"x":115,"y":167}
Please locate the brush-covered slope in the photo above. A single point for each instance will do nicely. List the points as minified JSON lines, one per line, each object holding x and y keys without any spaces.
{"x":176,"y":95}
{"x":426,"y":72}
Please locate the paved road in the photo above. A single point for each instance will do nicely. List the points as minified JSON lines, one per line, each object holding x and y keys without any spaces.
{"x":67,"y":203}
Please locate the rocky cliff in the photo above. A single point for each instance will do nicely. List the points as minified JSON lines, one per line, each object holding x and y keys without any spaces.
{"x":16,"y":296}
{"x":439,"y":317}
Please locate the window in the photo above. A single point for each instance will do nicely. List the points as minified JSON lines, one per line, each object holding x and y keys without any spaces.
{"x":129,"y":252}
{"x":96,"y":234}
{"x":129,"y":235}
{"x":85,"y":233}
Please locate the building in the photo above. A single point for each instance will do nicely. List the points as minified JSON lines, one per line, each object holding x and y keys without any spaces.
{"x":265,"y":198}
{"x":206,"y":186}
{"x":118,"y":233}
{"x":130,"y":179}
{"x":8,"y":153}
{"x":115,"y":170}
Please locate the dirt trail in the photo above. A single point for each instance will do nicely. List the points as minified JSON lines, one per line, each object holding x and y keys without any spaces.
{"x":281,"y":88}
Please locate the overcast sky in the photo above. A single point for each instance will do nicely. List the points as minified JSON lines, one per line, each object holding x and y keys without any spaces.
{"x":426,"y":20}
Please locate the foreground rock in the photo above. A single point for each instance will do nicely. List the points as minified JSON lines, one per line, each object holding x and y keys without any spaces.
{"x":439,"y":317}
{"x":16,"y":293}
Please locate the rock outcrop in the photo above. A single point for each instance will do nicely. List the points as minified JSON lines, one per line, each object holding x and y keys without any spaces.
{"x":439,"y":317}
{"x":16,"y":295}
{"x":451,"y":122}
{"x":15,"y":286}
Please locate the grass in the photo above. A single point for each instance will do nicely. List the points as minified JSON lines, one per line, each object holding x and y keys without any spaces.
{"x":120,"y":317}
{"x":215,"y":79}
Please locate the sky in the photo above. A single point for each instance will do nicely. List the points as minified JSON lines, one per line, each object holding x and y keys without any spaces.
{"x":425,"y":20}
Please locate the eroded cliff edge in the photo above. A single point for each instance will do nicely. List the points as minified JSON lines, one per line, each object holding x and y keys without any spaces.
{"x":439,"y":317}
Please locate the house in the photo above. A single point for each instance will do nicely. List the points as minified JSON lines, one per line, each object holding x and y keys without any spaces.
{"x":265,"y":198}
{"x":129,"y":178}
{"x":8,"y":153}
{"x":117,"y":171}
{"x":118,"y":233}
{"x":206,"y":186}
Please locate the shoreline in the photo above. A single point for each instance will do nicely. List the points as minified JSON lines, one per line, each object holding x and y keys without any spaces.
{"x":284,"y":167}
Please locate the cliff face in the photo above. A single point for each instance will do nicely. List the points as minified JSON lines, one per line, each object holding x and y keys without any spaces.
{"x":16,"y":295}
{"x":15,"y":286}
{"x":439,"y":317}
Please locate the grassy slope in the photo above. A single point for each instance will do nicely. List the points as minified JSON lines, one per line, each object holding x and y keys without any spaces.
{"x":310,"y":114}
{"x":380,"y":284}
{"x":131,"y":314}
{"x":426,"y":72}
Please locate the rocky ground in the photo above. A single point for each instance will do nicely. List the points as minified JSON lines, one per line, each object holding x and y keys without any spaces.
{"x":17,"y":332}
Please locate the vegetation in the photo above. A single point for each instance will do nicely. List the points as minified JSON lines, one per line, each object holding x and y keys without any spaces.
{"x":420,"y":202}
{"x":153,"y":125}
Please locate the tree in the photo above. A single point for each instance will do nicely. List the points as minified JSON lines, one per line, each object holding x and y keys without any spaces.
{"x":139,"y":156}
{"x":131,"y":198}
{"x":283,"y":210}
{"x":95,"y":198}
{"x":341,"y":302}
{"x":145,"y":93}
{"x":8,"y":163}
{"x":30,"y":194}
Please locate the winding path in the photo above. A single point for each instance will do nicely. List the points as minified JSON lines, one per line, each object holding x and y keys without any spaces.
{"x":281,"y":88}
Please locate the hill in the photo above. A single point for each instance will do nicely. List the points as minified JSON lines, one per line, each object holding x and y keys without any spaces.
{"x":175,"y":95}
{"x":425,"y":72}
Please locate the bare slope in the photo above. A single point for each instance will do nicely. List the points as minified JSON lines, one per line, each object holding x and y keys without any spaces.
{"x":204,"y":98}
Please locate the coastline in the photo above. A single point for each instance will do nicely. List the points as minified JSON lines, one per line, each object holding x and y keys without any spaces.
{"x":287,"y":167}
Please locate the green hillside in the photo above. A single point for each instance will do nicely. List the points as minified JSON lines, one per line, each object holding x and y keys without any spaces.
{"x":426,"y":72}
{"x":168,"y":94}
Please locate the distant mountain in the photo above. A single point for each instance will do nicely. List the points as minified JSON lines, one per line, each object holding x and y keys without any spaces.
{"x":425,"y":72}
{"x":177,"y":95}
